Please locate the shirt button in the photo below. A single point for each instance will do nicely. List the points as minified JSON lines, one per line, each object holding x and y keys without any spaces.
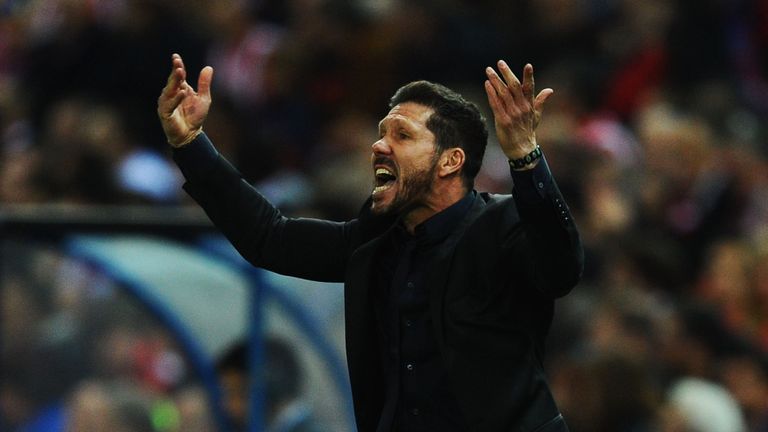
{"x":409,"y":366}
{"x":541,"y":185}
{"x":408,"y":323}
{"x":409,"y":285}
{"x":415,"y":411}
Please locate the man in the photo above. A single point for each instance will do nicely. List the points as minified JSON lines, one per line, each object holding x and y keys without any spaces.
{"x":449,"y":293}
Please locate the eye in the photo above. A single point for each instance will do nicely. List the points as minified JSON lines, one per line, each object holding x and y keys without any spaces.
{"x":402,"y":135}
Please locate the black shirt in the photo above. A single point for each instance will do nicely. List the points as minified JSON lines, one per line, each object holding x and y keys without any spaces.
{"x":418,"y":395}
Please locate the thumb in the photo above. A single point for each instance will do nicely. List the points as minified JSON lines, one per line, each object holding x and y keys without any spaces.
{"x":204,"y":82}
{"x":538,"y":104}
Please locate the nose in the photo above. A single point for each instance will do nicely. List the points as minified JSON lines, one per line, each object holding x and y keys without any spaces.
{"x":381,"y":147}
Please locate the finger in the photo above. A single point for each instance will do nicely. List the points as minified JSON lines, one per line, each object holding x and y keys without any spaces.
{"x":502,"y":91}
{"x":204,"y":82}
{"x":167,"y":106}
{"x":175,"y":77}
{"x":512,"y":82}
{"x":178,"y":62}
{"x":493,"y":100}
{"x":178,"y":67}
{"x":187,"y":88}
{"x":528,"y":84}
{"x":538,"y":104}
{"x":173,"y":86}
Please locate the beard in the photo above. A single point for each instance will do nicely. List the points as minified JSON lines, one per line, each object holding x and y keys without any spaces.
{"x":410,"y":195}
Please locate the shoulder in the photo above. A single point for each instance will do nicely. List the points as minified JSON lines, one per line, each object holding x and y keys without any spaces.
{"x":493,"y":215}
{"x":497,"y":205}
{"x":492,"y":199}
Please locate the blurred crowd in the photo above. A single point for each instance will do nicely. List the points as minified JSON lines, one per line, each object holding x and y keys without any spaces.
{"x":656,"y":134}
{"x":81,"y":354}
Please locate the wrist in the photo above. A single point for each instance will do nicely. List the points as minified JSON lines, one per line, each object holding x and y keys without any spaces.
{"x":187,"y":139}
{"x":528,"y":161}
{"x":519,"y":148}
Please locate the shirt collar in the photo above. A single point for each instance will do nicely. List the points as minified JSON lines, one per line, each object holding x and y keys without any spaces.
{"x":441,"y":224}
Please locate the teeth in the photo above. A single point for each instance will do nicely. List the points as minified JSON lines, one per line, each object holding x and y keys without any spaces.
{"x":384,"y":180}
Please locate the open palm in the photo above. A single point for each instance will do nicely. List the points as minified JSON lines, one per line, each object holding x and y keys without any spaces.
{"x":516,"y":111}
{"x":181,"y":109}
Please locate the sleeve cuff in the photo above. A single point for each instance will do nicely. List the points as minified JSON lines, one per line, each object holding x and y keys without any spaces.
{"x":531,"y":186}
{"x":196,"y":157}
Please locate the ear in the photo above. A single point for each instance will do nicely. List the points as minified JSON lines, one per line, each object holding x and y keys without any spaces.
{"x":451,"y":162}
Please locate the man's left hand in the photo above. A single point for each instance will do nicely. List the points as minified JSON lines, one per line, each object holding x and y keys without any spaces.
{"x":516,"y":112}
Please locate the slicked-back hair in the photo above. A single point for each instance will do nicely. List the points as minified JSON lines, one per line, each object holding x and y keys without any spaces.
{"x":456,"y":122}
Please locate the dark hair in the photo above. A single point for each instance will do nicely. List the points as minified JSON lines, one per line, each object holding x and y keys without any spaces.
{"x":456,"y":122}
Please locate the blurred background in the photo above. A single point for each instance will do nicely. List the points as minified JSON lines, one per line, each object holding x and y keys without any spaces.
{"x":122,"y":310}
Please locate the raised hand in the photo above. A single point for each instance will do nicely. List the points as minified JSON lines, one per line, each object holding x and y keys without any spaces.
{"x":516,"y":112}
{"x":182,"y":111}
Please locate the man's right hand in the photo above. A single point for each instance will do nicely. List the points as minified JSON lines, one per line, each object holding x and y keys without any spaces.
{"x":182,"y":111}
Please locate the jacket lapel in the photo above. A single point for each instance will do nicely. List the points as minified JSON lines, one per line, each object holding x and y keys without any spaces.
{"x":439,"y":268}
{"x":363,"y":357}
{"x":358,"y":287}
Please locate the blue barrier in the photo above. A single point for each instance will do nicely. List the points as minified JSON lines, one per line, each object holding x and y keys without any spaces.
{"x":201,"y":363}
{"x":216,"y":251}
{"x":261,"y":291}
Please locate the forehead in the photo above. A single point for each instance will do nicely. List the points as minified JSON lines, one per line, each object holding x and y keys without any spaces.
{"x":411,"y":113}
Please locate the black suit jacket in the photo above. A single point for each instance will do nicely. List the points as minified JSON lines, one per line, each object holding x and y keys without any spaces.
{"x":492,"y":285}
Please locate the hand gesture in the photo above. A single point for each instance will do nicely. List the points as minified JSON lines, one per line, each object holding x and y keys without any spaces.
{"x":516,"y":113}
{"x":182,"y":111}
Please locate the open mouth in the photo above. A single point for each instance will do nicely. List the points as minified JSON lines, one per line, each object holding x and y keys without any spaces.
{"x":384,"y":180}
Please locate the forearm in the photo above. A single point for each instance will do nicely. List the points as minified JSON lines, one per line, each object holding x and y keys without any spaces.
{"x":555,"y":250}
{"x":307,"y":248}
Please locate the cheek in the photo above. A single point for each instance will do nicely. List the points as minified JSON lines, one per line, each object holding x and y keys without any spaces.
{"x":419,"y":162}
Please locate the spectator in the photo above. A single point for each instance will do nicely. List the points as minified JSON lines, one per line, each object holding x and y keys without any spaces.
{"x":285,"y":410}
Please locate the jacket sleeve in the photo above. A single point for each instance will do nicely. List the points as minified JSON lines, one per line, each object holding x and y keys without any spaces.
{"x":555,"y":253}
{"x":301,"y":247}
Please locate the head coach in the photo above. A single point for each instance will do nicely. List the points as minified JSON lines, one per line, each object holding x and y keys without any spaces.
{"x":449,"y":292}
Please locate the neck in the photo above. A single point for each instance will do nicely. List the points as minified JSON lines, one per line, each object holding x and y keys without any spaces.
{"x":439,"y":199}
